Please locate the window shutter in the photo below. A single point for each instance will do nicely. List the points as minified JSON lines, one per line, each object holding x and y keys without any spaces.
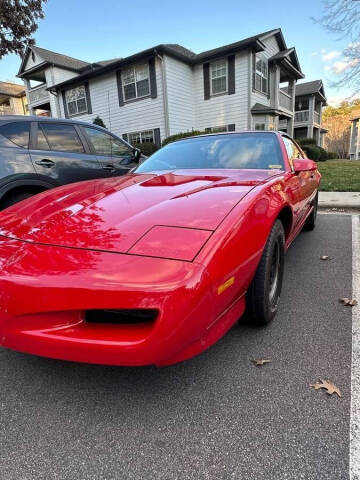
{"x":206,"y":73}
{"x":231,"y":74}
{"x":157,"y":139}
{"x":88,"y":99}
{"x":153,"y":87}
{"x":231,"y":127}
{"x":119,"y":87}
{"x":125,"y":137}
{"x":66,"y":113}
{"x":268,"y":81}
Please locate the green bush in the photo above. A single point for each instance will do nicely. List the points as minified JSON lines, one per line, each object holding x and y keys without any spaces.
{"x":306,"y":141}
{"x":323,"y":154}
{"x":99,"y":121}
{"x":332,"y":155}
{"x":147,"y":148}
{"x":178,"y":136}
{"x":312,"y":151}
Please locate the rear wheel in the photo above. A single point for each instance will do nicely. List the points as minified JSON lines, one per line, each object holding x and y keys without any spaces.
{"x":264,"y":292}
{"x":311,"y":220}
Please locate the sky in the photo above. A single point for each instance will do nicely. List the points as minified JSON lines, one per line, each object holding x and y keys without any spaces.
{"x":93,"y":30}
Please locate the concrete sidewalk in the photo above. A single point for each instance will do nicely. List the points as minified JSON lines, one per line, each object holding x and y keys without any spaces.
{"x":339,"y":200}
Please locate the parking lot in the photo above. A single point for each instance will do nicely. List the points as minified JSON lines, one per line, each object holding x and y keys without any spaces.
{"x":216,"y":416}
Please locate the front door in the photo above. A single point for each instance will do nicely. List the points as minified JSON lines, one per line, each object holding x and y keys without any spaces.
{"x":57,"y":151}
{"x":116,"y":157}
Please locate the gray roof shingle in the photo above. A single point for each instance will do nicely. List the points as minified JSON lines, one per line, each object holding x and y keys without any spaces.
{"x":60,"y":59}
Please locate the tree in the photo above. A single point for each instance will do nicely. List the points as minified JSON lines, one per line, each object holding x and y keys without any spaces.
{"x":342,"y":17}
{"x":18,"y":21}
{"x":337,"y":121}
{"x":99,"y":121}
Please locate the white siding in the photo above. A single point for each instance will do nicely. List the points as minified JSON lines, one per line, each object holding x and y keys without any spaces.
{"x":223,"y":109}
{"x":180,"y":92}
{"x":32,"y":63}
{"x":272,"y":48}
{"x":145,"y":114}
{"x":56,"y":75}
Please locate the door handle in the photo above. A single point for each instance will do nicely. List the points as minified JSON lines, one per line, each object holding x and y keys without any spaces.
{"x":110,"y":168}
{"x":45,"y":162}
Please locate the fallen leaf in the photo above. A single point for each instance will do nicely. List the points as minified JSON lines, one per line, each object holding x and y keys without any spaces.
{"x":330,"y":387}
{"x":324,"y":257}
{"x":260,"y":362}
{"x":348,"y":302}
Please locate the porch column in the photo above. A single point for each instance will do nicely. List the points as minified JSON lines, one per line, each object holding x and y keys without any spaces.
{"x":310,"y":128}
{"x":317,"y":136}
{"x":276,"y":86}
{"x":290,"y":122}
{"x":356,"y":127}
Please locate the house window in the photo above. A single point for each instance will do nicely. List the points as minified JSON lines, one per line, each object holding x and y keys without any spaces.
{"x":146,"y":136}
{"x":218,"y":77}
{"x":259,"y":126}
{"x":136,"y":82}
{"x":261,"y":75}
{"x":76,"y":100}
{"x":222,"y":128}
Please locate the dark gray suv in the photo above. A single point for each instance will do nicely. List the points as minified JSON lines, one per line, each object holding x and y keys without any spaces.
{"x":38,"y":153}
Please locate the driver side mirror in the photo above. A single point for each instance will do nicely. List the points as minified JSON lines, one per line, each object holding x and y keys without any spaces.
{"x":136,"y":154}
{"x":304,"y":165}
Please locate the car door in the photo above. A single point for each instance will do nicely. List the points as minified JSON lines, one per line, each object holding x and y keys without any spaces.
{"x":299,"y":186}
{"x":58,"y":151}
{"x":116,"y":157}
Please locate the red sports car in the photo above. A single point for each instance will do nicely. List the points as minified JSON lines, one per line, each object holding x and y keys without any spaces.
{"x":155,"y":266}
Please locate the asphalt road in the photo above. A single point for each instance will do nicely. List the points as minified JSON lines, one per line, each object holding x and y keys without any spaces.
{"x":216,"y":416}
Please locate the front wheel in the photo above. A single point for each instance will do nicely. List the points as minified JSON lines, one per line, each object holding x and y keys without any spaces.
{"x":311,"y":220}
{"x":264,"y":292}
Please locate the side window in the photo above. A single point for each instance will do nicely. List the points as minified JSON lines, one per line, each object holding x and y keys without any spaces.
{"x":62,"y":138}
{"x":107,"y":145}
{"x":17,"y":132}
{"x":292,"y":149}
{"x":41,"y":142}
{"x":119,"y":149}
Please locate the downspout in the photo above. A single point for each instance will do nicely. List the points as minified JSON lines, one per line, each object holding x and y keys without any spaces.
{"x":165,"y":94}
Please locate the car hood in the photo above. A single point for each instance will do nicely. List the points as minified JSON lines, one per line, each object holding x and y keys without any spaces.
{"x":113,"y":214}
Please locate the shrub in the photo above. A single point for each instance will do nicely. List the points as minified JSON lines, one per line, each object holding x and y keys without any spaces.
{"x":147,"y":148}
{"x":306,"y":141}
{"x":312,"y":151}
{"x":178,"y":136}
{"x":99,"y":121}
{"x":332,"y":155}
{"x":323,"y":154}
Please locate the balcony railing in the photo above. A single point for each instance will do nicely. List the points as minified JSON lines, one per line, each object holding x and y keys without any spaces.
{"x":301,"y":116}
{"x":38,"y":93}
{"x":285,"y":100}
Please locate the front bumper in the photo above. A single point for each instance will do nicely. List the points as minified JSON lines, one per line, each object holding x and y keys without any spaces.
{"x":45,"y":291}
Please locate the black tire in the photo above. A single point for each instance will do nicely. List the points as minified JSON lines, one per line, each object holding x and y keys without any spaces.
{"x":311,"y":220}
{"x":263,"y":295}
{"x":13,"y":198}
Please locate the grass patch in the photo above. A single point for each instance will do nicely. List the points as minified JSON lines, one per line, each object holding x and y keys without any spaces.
{"x":340,"y":175}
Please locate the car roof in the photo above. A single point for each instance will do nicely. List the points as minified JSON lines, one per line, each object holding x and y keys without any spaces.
{"x":215,"y":134}
{"x":36,"y":118}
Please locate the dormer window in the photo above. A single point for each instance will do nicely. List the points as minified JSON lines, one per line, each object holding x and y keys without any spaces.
{"x":218,"y":75}
{"x":261,"y":75}
{"x":136,"y":82}
{"x":76,"y":100}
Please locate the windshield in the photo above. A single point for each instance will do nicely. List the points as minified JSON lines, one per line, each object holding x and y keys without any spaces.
{"x":243,"y":150}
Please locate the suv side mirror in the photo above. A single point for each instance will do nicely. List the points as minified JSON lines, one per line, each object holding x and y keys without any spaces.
{"x":304,"y":165}
{"x":136,"y":154}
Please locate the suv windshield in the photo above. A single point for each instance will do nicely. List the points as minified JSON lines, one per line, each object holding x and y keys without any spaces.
{"x":243,"y":150}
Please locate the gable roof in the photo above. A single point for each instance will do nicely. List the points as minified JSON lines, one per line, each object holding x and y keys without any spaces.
{"x":87,"y":70}
{"x":12,"y":89}
{"x":314,"y":87}
{"x":289,"y":59}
